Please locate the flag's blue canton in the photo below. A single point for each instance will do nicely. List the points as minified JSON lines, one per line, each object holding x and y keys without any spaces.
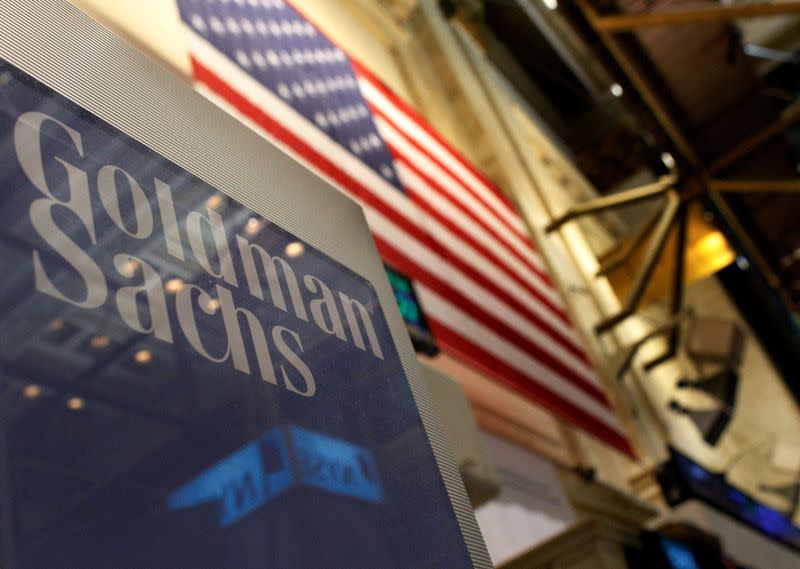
{"x":279,"y":48}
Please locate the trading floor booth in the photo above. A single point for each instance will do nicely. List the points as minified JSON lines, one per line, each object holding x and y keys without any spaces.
{"x":201,"y":362}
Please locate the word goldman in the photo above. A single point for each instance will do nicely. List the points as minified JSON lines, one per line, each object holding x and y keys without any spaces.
{"x":323,"y":306}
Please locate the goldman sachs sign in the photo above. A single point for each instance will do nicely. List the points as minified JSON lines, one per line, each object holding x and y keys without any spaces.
{"x":183,"y":382}
{"x":51,"y":155}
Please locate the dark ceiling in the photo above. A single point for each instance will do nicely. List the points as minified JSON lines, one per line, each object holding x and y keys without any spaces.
{"x":607,"y":143}
{"x":719,"y":100}
{"x":713,"y":93}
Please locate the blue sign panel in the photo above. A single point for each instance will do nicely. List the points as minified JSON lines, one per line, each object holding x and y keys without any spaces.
{"x":183,"y":384}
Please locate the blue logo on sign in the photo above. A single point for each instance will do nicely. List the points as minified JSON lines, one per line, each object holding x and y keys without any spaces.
{"x":248,"y":478}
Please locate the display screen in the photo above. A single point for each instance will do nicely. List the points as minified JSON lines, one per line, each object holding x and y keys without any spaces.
{"x":411,"y":311}
{"x":713,"y":489}
{"x":679,"y":555}
{"x":184,"y":384}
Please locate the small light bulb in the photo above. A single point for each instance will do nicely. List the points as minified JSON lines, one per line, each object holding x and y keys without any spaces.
{"x":214,"y":201}
{"x":550,"y":4}
{"x":252,"y":226}
{"x":31,"y":391}
{"x":173,"y":285}
{"x":212,"y":306}
{"x":75,"y":403}
{"x":668,"y":160}
{"x":616,"y":90}
{"x":295,"y":249}
{"x":143,"y":357}
{"x":129,"y":268}
{"x":99,"y":342}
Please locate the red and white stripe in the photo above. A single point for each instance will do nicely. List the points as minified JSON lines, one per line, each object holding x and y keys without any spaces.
{"x":482,"y":286}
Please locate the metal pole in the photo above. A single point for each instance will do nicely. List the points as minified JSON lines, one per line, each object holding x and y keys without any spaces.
{"x":787,"y":117}
{"x":644,"y":273}
{"x":629,"y":197}
{"x":627,"y":22}
{"x":755,"y":186}
{"x":747,"y":244}
{"x":677,"y":288}
{"x":623,"y":252}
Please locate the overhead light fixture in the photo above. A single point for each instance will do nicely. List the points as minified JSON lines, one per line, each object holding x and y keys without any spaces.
{"x":616,"y":90}
{"x":668,"y":160}
{"x":551,"y":4}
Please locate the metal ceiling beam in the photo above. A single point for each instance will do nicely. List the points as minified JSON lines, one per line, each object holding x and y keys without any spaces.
{"x":624,"y":252}
{"x":678,"y":289}
{"x":627,"y":22}
{"x":621,"y":199}
{"x":653,"y":253}
{"x":788,"y":116}
{"x":649,"y":95}
{"x":746,"y":243}
{"x":756,"y":186}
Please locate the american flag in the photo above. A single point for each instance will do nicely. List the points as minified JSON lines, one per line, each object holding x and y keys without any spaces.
{"x":483,"y":287}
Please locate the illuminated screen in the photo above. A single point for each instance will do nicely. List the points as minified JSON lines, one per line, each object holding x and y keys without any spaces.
{"x":713,"y":489}
{"x":411,"y":311}
{"x":678,"y":554}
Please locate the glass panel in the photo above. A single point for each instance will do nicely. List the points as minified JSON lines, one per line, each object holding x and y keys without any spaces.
{"x":184,"y":383}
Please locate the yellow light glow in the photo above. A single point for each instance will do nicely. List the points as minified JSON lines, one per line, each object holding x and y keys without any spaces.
{"x":295,"y":249}
{"x":712,"y":243}
{"x":214,"y":201}
{"x":75,"y":403}
{"x":252,"y":226}
{"x":100,"y":342}
{"x":56,"y":325}
{"x":129,"y":268}
{"x":143,"y":357}
{"x":173,"y":285}
{"x":31,"y":391}
{"x":212,"y":306}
